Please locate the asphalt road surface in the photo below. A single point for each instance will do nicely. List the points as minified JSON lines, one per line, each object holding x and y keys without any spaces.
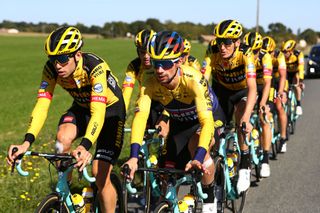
{"x":294,"y":184}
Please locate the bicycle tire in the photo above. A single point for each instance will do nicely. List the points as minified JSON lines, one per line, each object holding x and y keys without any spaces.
{"x":147,"y":194}
{"x":51,"y":203}
{"x":163,"y":207}
{"x":275,"y":149}
{"x":120,"y":207}
{"x":220,"y":182}
{"x":238,"y":204}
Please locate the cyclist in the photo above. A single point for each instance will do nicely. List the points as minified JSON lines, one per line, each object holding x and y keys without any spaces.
{"x":191,"y":104}
{"x":138,"y":69}
{"x":263,"y":64}
{"x":295,"y":69}
{"x":279,"y":76}
{"x":97,"y":112}
{"x":235,"y":83}
{"x":188,"y":59}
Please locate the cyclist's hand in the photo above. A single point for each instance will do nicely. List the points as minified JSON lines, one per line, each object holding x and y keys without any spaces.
{"x":194,"y":164}
{"x":21,"y":150}
{"x":82,"y":156}
{"x":133,"y":166}
{"x":248,"y":128}
{"x":164,"y":129}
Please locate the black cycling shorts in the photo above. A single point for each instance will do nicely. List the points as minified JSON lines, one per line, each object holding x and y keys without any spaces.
{"x":110,"y":140}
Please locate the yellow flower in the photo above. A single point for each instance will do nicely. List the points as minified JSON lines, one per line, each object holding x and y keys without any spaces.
{"x":23,"y":196}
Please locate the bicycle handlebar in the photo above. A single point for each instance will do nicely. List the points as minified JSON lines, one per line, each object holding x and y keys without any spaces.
{"x":195,"y":174}
{"x":49,"y":157}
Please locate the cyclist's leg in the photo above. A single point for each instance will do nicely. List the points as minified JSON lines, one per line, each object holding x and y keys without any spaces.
{"x":72,"y":124}
{"x":298,"y":93}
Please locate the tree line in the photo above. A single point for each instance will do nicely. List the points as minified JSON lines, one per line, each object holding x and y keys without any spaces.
{"x":188,"y":30}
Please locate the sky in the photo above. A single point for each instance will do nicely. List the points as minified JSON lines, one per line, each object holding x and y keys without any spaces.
{"x":293,"y":14}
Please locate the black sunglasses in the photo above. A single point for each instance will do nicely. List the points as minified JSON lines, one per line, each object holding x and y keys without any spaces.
{"x":61,"y":59}
{"x":225,"y":41}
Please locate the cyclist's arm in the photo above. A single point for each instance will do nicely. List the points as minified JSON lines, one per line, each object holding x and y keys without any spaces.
{"x":267,"y":76}
{"x":301,"y":66}
{"x":40,"y":110}
{"x":204,"y":110}
{"x":128,"y":85}
{"x":251,"y":85}
{"x":139,"y":121}
{"x":206,"y":67}
{"x":98,"y":102}
{"x":282,"y":69}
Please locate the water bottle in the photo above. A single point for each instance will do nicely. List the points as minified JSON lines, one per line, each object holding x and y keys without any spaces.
{"x":78,"y":203}
{"x":87,"y":194}
{"x":230,"y":166}
{"x":183,"y":206}
{"x":190,"y":201}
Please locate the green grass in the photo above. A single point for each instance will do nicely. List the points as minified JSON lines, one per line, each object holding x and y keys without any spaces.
{"x":21,"y":63}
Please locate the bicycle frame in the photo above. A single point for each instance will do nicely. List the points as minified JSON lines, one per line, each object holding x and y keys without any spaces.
{"x":62,"y":187}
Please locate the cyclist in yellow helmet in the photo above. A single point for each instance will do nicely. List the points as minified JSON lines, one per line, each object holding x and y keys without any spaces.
{"x":295,"y":69}
{"x":279,"y":76}
{"x":263,"y":64}
{"x":97,"y":112}
{"x":186,"y":96}
{"x":188,"y":59}
{"x":235,"y":84}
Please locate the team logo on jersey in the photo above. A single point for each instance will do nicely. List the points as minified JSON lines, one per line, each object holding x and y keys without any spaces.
{"x":128,"y":79}
{"x":111,"y":81}
{"x":98,"y":88}
{"x":44,"y":85}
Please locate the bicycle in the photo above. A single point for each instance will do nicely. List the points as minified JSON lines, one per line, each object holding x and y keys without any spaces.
{"x":146,"y":160}
{"x":171,"y":180}
{"x":60,"y":199}
{"x":291,"y":110}
{"x":227,"y":159}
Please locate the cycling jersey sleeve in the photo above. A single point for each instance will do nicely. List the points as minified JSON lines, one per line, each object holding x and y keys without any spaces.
{"x":128,"y":85}
{"x":206,"y":68}
{"x":204,"y":110}
{"x":301,"y":65}
{"x":267,"y":66}
{"x":40,"y":111}
{"x":98,"y":103}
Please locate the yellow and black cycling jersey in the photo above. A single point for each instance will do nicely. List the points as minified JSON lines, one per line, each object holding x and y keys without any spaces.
{"x":295,"y":63}
{"x":263,"y":64}
{"x":92,"y":86}
{"x":191,"y":101}
{"x":231,"y":73}
{"x":135,"y":71}
{"x":278,"y":63}
{"x":192,"y":62}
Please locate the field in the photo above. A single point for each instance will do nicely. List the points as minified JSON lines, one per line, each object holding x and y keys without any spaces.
{"x":21,"y":63}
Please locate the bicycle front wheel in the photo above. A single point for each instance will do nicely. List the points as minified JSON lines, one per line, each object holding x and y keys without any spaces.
{"x":120,"y":208}
{"x":51,"y":203}
{"x":163,"y":207}
{"x":238,"y":204}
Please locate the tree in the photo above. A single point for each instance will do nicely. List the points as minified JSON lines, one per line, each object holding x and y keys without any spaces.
{"x":309,"y":36}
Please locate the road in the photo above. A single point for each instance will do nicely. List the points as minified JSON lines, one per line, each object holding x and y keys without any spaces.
{"x":294,"y":182}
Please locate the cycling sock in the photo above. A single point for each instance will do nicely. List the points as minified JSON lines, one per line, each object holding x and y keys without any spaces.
{"x":298,"y":103}
{"x":245,"y":159}
{"x":209,"y":190}
{"x":265,"y":157}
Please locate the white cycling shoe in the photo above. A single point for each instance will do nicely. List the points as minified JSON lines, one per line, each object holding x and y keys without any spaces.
{"x":283,"y":148}
{"x":265,"y":170}
{"x":210,"y":207}
{"x":299,"y":110}
{"x":244,"y":180}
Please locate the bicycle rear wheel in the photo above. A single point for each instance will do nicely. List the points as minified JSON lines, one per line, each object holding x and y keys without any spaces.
{"x":51,"y":203}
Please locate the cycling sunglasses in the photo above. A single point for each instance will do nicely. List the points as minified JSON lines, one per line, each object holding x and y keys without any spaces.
{"x":61,"y":59}
{"x":164,"y":64}
{"x":225,"y":41}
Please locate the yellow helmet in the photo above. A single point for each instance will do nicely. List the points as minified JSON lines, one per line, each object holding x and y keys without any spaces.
{"x":253,"y":40}
{"x":228,"y":29}
{"x":187,"y":46}
{"x":165,"y":45}
{"x":288,"y":45}
{"x":268,"y":44}
{"x":64,"y":40}
{"x":142,"y":38}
